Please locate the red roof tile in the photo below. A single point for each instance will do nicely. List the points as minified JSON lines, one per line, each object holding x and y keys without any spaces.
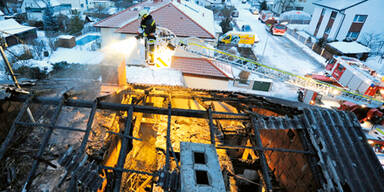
{"x":197,"y":66}
{"x":128,"y":15}
{"x":171,"y":17}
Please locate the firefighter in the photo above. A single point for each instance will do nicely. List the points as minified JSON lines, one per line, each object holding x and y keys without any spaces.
{"x":147,"y":30}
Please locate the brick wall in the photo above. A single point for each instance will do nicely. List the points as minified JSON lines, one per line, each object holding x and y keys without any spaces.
{"x":291,"y":170}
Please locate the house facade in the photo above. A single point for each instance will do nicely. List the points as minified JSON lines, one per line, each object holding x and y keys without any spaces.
{"x":280,"y":6}
{"x":184,"y":19}
{"x":35,"y":8}
{"x":347,"y":19}
{"x":13,"y":32}
{"x":76,"y":4}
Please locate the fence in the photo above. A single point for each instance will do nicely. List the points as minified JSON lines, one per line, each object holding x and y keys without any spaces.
{"x":308,"y":41}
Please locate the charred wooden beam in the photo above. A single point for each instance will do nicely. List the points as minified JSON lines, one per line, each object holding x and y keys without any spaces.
{"x":266,"y":149}
{"x":211,"y":126}
{"x":12,"y":130}
{"x":26,"y":124}
{"x":263,"y":161}
{"x":128,"y":170}
{"x":44,"y":143}
{"x":124,"y":149}
{"x":125,"y":107}
{"x":168,"y":140}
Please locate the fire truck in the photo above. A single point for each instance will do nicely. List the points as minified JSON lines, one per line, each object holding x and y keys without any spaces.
{"x":349,"y":73}
{"x":352,"y":74}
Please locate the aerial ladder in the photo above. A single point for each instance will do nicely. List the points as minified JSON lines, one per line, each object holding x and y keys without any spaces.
{"x":199,"y":47}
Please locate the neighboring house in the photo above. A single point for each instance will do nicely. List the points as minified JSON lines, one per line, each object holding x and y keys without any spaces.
{"x":35,"y":8}
{"x":76,"y":4}
{"x":13,"y":6}
{"x":208,"y":2}
{"x":100,"y":3}
{"x":347,"y":19}
{"x":183,"y":18}
{"x":13,"y":32}
{"x":201,"y":73}
{"x":280,"y":6}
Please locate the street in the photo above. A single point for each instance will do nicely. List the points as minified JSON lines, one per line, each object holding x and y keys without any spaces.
{"x":277,"y":51}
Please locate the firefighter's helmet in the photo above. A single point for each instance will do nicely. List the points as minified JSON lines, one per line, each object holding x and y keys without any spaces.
{"x":143,"y":13}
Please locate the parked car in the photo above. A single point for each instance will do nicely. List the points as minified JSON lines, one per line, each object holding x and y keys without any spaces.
{"x":239,"y":38}
{"x":235,"y":13}
{"x":265,"y":15}
{"x":246,"y":28}
{"x":278,"y":29}
{"x":254,"y":11}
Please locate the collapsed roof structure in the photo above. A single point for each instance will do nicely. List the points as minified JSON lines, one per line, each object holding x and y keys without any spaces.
{"x":163,"y":138}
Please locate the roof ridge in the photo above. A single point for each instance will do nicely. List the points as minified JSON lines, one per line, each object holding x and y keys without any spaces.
{"x":158,"y":8}
{"x":123,"y":11}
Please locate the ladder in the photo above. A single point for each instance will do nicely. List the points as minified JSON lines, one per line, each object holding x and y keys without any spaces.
{"x":207,"y":51}
{"x":252,"y":66}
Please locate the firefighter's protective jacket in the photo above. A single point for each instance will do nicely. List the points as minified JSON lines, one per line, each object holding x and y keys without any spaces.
{"x":149,"y":26}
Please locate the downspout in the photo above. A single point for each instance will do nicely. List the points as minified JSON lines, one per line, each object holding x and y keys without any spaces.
{"x":341,"y":24}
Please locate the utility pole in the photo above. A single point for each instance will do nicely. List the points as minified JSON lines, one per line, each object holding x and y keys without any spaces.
{"x":9,"y":68}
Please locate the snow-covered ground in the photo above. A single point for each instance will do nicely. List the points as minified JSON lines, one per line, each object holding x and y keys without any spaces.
{"x":276,"y":51}
{"x":78,"y":55}
{"x":154,"y":76}
{"x":279,"y":52}
{"x":376,"y":63}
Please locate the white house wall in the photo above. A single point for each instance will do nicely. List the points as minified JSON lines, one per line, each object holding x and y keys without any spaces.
{"x":374,"y":23}
{"x":324,"y":23}
{"x":315,"y":18}
{"x":76,"y":4}
{"x":205,"y":83}
{"x":336,"y":24}
{"x":35,"y":16}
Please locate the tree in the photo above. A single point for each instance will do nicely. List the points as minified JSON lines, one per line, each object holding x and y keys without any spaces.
{"x":75,"y":23}
{"x":49,"y":21}
{"x":285,"y":4}
{"x":226,"y":25}
{"x":322,"y":42}
{"x":227,"y":11}
{"x":263,"y":5}
{"x":62,"y":22}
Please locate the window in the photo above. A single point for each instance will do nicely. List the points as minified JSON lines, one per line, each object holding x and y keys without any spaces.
{"x":327,"y":30}
{"x":352,"y":35}
{"x":360,"y":18}
{"x":333,"y":14}
{"x":322,"y":12}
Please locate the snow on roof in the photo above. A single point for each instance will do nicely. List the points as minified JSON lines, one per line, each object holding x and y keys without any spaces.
{"x":295,"y":15}
{"x":10,"y":27}
{"x":174,"y":19}
{"x":157,"y":76}
{"x":350,"y":47}
{"x":41,"y":3}
{"x":128,"y":15}
{"x":338,"y":4}
{"x":197,"y":66}
{"x":199,"y":14}
{"x":65,"y":37}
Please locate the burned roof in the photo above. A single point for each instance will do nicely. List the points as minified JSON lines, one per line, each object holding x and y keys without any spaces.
{"x":294,"y":147}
